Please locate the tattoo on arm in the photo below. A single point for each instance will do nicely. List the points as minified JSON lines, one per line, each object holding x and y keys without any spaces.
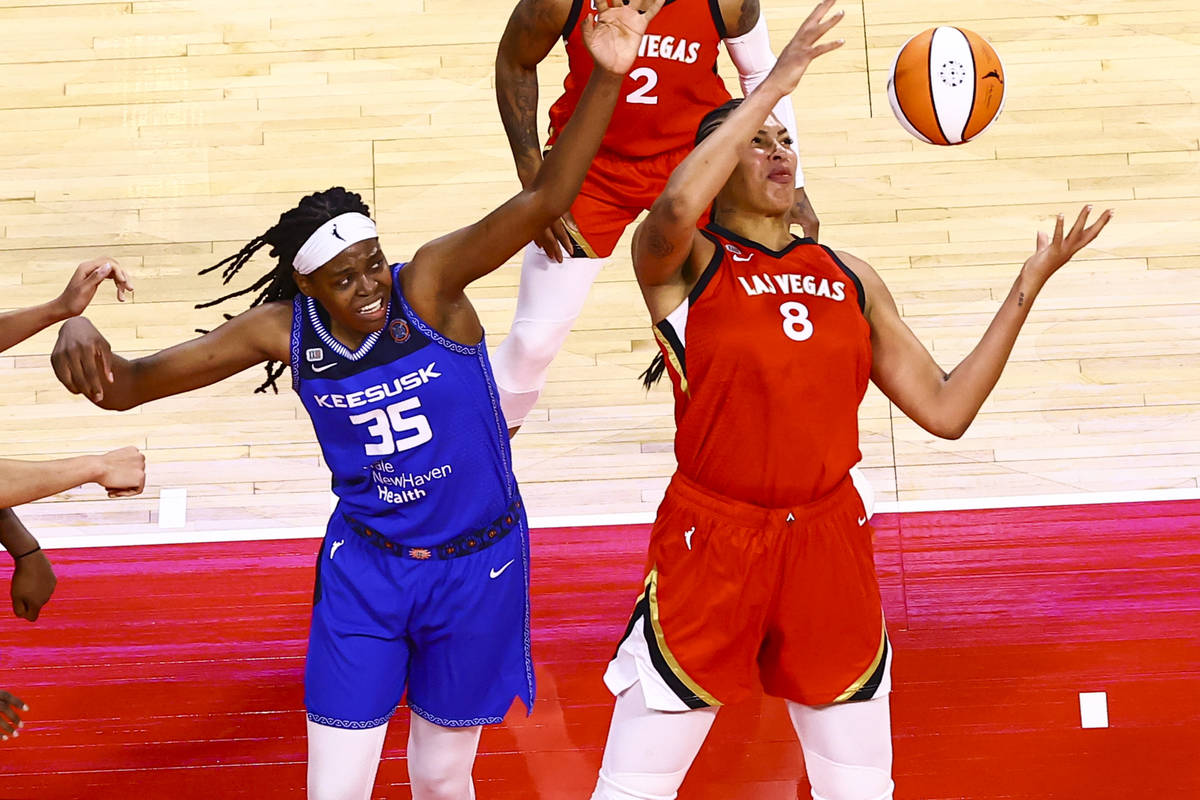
{"x":658,"y":244}
{"x":1021,"y":300}
{"x":747,"y":17}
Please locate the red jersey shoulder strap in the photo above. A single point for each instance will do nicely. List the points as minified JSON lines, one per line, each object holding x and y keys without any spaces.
{"x":714,"y":8}
{"x":862,"y":295}
{"x":572,"y":18}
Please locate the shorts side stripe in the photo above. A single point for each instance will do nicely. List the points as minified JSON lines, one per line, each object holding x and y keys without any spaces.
{"x":865,"y":685}
{"x":690,"y":692}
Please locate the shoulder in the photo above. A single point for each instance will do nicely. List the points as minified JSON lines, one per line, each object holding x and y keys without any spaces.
{"x":268,"y":327}
{"x":739,"y":16}
{"x":542,"y":18}
{"x":877,"y":297}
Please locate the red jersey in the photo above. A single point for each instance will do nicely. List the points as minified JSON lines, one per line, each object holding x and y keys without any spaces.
{"x":770,"y":357}
{"x":672,"y":85}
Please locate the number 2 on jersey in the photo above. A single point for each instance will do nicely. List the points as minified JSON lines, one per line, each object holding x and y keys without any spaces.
{"x":641,"y":95}
{"x":796,"y":324}
{"x":383,"y":425}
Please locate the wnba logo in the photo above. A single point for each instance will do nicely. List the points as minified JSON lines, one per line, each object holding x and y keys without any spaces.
{"x":398,"y":330}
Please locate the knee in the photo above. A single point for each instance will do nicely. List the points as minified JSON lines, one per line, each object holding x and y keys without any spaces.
{"x":638,"y":786}
{"x":530,"y":347}
{"x":431,"y":783}
{"x":835,"y":781}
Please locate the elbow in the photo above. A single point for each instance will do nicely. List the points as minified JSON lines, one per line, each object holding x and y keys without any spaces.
{"x":947,"y":428}
{"x":673,"y":210}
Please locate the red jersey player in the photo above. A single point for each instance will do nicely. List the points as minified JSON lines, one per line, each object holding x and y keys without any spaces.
{"x":673,"y":84}
{"x":760,"y":565}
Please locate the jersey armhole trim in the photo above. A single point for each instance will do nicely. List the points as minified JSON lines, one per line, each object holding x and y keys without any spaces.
{"x":710,"y":270}
{"x":572,"y":19}
{"x":297,"y":323}
{"x":714,"y":6}
{"x":862,"y":295}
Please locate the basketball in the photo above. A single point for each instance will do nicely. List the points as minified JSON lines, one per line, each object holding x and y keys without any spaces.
{"x":946,"y":85}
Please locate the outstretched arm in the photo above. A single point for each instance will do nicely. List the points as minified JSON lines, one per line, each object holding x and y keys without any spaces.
{"x":944,"y":403}
{"x":85,"y":364}
{"x":664,"y":239}
{"x":533,"y":28}
{"x":122,"y":472}
{"x":749,"y":46}
{"x":17,"y":326}
{"x":439,"y":272}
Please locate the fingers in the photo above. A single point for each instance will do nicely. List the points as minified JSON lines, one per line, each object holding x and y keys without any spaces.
{"x":822,"y":49}
{"x":104,"y":362}
{"x":9,"y":721}
{"x":121,"y":278}
{"x":1042,"y":241}
{"x":563,"y":235}
{"x":1091,"y":233}
{"x":549,"y":244}
{"x":1058,"y":230}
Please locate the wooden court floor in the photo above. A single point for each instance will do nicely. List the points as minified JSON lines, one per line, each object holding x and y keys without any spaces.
{"x":168,"y":132}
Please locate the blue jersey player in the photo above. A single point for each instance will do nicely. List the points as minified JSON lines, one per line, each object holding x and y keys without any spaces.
{"x":422,"y":581}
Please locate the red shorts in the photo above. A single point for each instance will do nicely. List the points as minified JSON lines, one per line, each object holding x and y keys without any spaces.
{"x":618,"y":188}
{"x":734,"y":591}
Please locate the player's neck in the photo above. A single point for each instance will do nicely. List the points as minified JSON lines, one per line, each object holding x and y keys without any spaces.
{"x":770,"y":232}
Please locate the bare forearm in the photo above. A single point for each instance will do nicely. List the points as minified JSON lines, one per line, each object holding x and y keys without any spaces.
{"x":13,"y":535}
{"x":517,"y":98}
{"x":968,"y":385}
{"x":561,"y":176}
{"x":25,"y":481}
{"x":17,"y":326}
{"x":695,"y":183}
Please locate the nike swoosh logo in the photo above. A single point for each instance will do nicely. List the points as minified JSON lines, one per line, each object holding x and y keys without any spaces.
{"x":333,"y":548}
{"x":322,"y":369}
{"x":496,"y":573}
{"x":742,"y":258}
{"x":862,"y":521}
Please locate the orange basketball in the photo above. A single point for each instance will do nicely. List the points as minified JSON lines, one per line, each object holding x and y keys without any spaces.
{"x":946,"y":85}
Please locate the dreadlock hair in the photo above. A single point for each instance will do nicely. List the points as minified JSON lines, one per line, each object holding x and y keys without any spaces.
{"x":711,"y":121}
{"x":285,"y":237}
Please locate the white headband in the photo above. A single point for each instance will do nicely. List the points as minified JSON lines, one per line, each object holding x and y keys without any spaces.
{"x":332,"y":238}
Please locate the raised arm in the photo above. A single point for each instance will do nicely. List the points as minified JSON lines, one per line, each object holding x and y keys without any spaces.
{"x":749,"y":46}
{"x":663,"y":241}
{"x":17,"y":326}
{"x":439,"y":272}
{"x":85,"y":364}
{"x":944,"y":403}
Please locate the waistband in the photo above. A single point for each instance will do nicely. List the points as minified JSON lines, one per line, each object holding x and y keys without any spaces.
{"x":462,"y":545}
{"x":751,"y":515}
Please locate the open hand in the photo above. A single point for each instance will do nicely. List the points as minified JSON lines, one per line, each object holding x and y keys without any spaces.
{"x":803,"y":48}
{"x":614,"y":33}
{"x":9,"y":721}
{"x":33,"y":583}
{"x":87,"y":279}
{"x":1054,"y":251}
{"x":555,"y":241}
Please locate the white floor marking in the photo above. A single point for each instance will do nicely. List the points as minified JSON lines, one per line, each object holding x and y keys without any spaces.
{"x":1093,"y":709}
{"x":172,"y":508}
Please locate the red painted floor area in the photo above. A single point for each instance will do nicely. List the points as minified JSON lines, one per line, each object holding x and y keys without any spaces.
{"x":175,"y":671}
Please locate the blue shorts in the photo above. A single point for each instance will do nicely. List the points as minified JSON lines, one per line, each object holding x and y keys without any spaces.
{"x":453,"y":631}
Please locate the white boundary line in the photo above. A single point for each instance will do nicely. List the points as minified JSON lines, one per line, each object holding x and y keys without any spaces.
{"x":59,"y":538}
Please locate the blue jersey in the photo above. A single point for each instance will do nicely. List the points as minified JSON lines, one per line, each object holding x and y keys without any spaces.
{"x":409,"y":424}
